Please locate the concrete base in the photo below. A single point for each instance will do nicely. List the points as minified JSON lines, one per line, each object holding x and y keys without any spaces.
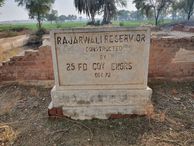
{"x":101,"y":104}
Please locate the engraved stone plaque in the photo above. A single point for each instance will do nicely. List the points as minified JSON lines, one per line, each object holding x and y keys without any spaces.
{"x":100,"y":67}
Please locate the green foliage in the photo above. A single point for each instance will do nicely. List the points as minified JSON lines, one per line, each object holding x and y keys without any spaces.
{"x":121,"y":24}
{"x":37,"y":8}
{"x":110,"y":9}
{"x":48,"y":26}
{"x":153,"y":7}
{"x":69,"y":17}
{"x":15,"y":27}
{"x":1,"y":2}
{"x":89,"y":7}
{"x":62,"y":18}
{"x":92,"y":7}
{"x":136,"y":15}
{"x":41,"y":32}
{"x":97,"y":23}
{"x":52,"y":16}
{"x":187,"y":6}
{"x":63,"y":25}
{"x":123,"y":15}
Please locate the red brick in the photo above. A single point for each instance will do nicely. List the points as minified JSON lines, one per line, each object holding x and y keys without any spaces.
{"x":55,"y":112}
{"x":119,"y":116}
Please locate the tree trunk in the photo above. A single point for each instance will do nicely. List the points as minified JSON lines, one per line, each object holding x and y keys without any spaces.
{"x":188,"y":17}
{"x":93,"y":20}
{"x":93,"y":17}
{"x":39,"y":22}
{"x":156,"y":21}
{"x":190,"y":11}
{"x":105,"y":14}
{"x":173,"y":15}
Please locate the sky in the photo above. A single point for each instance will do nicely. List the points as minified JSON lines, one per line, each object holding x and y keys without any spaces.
{"x":10,"y":11}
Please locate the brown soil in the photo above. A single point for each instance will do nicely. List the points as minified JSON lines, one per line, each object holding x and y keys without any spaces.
{"x":24,"y":120}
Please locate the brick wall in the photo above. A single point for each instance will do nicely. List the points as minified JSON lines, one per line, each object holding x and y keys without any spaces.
{"x":183,"y":28}
{"x":170,"y":58}
{"x":34,"y":65}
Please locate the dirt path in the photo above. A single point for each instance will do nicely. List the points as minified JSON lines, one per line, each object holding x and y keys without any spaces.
{"x":23,"y":109}
{"x":12,"y":46}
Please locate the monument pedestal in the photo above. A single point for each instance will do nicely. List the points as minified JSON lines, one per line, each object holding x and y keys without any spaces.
{"x":101,"y":104}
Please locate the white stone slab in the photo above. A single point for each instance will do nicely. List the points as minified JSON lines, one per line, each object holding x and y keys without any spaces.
{"x":100,"y":69}
{"x":101,"y":58}
{"x":88,"y":104}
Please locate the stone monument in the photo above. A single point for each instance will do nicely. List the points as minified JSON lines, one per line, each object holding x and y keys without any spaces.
{"x":100,"y":71}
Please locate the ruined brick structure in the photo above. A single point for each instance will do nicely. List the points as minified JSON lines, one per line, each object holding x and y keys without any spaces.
{"x":34,"y":65}
{"x":170,"y":58}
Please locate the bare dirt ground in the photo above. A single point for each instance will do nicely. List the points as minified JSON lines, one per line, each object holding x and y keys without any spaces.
{"x":12,"y":46}
{"x":24,"y":120}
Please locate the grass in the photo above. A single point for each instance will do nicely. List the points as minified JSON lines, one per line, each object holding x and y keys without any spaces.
{"x":32,"y":26}
{"x":15,"y":27}
{"x":128,"y":23}
{"x":63,"y":25}
{"x":140,"y":23}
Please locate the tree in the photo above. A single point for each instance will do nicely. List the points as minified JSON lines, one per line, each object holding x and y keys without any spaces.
{"x":92,"y":7}
{"x":71,"y":17}
{"x":157,"y":6}
{"x":173,"y":10}
{"x":80,"y":18}
{"x":123,"y":15}
{"x":1,"y":3}
{"x":89,"y":7}
{"x":110,"y":9}
{"x":136,"y":15}
{"x":37,"y":9}
{"x":145,"y":9}
{"x":52,"y":16}
{"x":188,"y":7}
{"x":62,"y":18}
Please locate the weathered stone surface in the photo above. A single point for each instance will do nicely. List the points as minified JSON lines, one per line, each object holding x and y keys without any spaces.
{"x":101,"y":72}
{"x":101,"y":58}
{"x":88,"y":104}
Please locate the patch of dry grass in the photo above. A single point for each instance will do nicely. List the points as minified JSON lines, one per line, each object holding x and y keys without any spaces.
{"x":6,"y":55}
{"x":7,"y":134}
{"x":34,"y":92}
{"x":169,"y":138}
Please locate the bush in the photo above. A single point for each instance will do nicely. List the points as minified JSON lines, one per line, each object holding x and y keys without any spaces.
{"x":41,"y":32}
{"x":121,"y":24}
{"x":35,"y":40}
{"x":90,"y":23}
{"x":97,"y":23}
{"x":59,"y":25}
{"x":18,"y":29}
